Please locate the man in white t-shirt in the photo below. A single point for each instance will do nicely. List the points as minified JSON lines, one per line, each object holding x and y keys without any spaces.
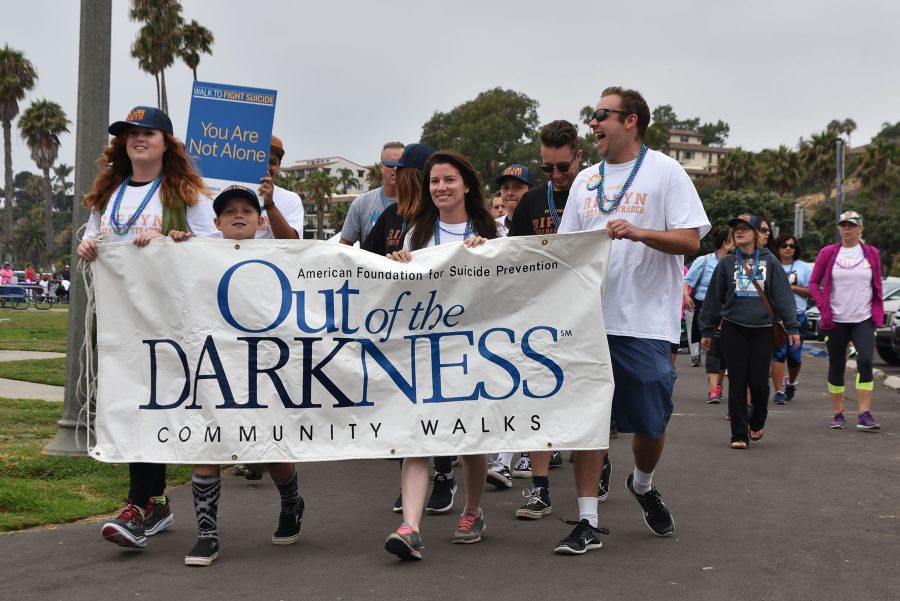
{"x":367,"y":207}
{"x":282,"y":216}
{"x":651,"y":209}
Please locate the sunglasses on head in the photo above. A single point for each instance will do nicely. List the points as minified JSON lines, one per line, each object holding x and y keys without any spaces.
{"x":561,"y":167}
{"x":787,"y":245}
{"x":600,"y":114}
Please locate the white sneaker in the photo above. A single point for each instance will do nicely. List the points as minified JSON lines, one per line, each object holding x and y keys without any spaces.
{"x":522,"y":468}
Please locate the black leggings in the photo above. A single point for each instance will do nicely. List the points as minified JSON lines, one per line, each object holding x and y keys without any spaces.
{"x":863,"y":336}
{"x":147,"y":480}
{"x":748,"y":352}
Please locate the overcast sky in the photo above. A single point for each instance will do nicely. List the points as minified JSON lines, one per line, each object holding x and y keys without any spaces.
{"x":353,"y":75}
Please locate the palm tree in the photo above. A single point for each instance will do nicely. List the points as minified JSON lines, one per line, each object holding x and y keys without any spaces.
{"x":373,"y":176}
{"x":818,"y":157}
{"x":17,"y":76}
{"x":736,"y":169}
{"x":779,"y":170}
{"x":29,"y":237}
{"x":159,"y":40}
{"x":195,"y":39}
{"x":345,"y":179}
{"x":319,"y":187}
{"x":879,"y":170}
{"x":62,"y":186}
{"x":41,"y":124}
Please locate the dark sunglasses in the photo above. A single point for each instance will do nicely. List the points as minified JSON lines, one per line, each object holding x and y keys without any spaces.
{"x":765,"y":230}
{"x":600,"y":114}
{"x":787,"y":245}
{"x":561,"y":167}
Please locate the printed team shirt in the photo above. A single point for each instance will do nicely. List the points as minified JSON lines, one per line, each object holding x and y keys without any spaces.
{"x":798,"y":274}
{"x":199,"y":217}
{"x":291,"y":208}
{"x":643,"y":289}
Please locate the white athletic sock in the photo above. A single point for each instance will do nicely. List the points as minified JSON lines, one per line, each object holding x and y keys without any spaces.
{"x":505,"y":459}
{"x":642,"y":482}
{"x":587,"y":510}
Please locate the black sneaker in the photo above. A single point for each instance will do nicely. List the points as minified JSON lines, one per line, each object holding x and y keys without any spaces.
{"x":582,"y":539}
{"x":127,"y":530}
{"x":556,"y":459}
{"x":442,"y":493}
{"x":398,"y":504}
{"x":289,"y":526}
{"x":695,"y":361}
{"x":157,"y":515}
{"x":603,"y":491}
{"x":204,"y":552}
{"x":536,"y":505}
{"x":253,"y":471}
{"x":656,"y":515}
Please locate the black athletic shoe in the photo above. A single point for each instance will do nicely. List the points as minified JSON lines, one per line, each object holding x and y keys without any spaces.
{"x":582,"y":539}
{"x":536,"y":505}
{"x":656,"y":515}
{"x":603,"y":491}
{"x":442,"y":493}
{"x":204,"y":552}
{"x":289,"y":526}
{"x":556,"y":459}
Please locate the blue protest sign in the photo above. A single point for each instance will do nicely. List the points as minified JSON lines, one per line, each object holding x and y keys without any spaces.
{"x":229,"y":131}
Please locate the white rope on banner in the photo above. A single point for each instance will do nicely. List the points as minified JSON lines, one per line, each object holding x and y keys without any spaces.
{"x":86,"y":382}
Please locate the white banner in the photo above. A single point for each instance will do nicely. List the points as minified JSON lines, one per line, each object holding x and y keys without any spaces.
{"x":217,"y":351}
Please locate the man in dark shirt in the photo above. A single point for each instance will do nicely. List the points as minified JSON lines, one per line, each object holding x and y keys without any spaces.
{"x":541,"y":208}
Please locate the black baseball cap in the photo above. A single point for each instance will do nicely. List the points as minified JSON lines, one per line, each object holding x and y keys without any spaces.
{"x":236,"y":192}
{"x":414,"y":155}
{"x":143,"y":116}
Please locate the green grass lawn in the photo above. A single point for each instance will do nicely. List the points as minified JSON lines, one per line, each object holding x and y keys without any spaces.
{"x":42,"y":371}
{"x":36,"y":489}
{"x":34,"y":330}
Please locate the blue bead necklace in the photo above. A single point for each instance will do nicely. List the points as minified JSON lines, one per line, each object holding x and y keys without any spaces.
{"x":438,"y":229}
{"x":601,"y":198}
{"x":745,"y":281}
{"x":551,"y":206}
{"x":123,"y":228}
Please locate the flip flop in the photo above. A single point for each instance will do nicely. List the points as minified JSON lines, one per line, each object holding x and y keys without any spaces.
{"x":738,"y":444}
{"x":756,"y":435}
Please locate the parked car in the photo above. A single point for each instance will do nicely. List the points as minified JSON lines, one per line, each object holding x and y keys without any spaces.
{"x":895,"y":332}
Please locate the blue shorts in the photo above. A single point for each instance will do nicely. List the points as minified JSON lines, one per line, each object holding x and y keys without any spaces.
{"x":645,"y":379}
{"x":794,"y":356}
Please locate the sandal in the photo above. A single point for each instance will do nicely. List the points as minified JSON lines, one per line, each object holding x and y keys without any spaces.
{"x":756,"y":435}
{"x":738,"y":444}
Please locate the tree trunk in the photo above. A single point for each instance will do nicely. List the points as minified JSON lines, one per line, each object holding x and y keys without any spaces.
{"x":194,"y":69}
{"x":158,"y":96}
{"x":48,"y":220}
{"x":164,"y":105}
{"x":320,"y":218}
{"x":7,"y":192}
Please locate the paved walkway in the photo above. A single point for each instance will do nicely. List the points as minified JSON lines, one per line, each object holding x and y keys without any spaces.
{"x":16,"y":389}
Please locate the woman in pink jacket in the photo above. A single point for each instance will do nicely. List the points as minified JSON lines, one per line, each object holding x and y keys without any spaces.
{"x":846,"y":286}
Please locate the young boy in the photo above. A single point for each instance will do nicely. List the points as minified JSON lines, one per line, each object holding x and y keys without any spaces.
{"x":237,"y":217}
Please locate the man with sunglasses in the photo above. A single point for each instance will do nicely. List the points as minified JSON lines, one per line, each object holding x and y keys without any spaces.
{"x":649,"y":206}
{"x":367,"y":207}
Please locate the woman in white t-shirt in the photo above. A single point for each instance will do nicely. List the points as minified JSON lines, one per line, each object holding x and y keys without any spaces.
{"x":147,"y":188}
{"x":846,"y":286}
{"x":452,"y":210}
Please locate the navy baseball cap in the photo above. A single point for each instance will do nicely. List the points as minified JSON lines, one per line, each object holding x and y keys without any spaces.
{"x":747,"y":219}
{"x":519,"y":172}
{"x":143,"y":116}
{"x":414,"y":155}
{"x":236,"y":192}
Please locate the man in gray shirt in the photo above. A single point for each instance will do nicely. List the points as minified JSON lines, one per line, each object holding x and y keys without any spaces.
{"x":367,"y":207}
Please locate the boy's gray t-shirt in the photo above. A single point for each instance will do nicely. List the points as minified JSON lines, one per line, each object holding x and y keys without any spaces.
{"x":364,"y":212}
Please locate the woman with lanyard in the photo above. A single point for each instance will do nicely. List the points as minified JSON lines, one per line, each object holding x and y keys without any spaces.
{"x":452,"y":210}
{"x":798,"y":272}
{"x":696,"y":285}
{"x":147,"y":188}
{"x":846,"y":286}
{"x":387,"y":237}
{"x":734,"y":302}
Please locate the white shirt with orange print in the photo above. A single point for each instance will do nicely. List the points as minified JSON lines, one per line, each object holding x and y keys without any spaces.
{"x":643,"y":289}
{"x":291,"y":208}
{"x":199,"y":217}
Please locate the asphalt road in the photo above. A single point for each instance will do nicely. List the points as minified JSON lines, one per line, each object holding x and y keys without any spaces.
{"x":808,"y":513}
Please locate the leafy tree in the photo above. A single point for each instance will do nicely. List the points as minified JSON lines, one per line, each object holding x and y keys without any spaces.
{"x":779,"y":170}
{"x":657,"y":137}
{"x":319,"y":187}
{"x":736,"y":169}
{"x":724,"y":205}
{"x":486,"y":129}
{"x":339,"y":212}
{"x":818,"y":156}
{"x":373,"y":176}
{"x":666,"y":115}
{"x":17,"y":77}
{"x":195,"y":39}
{"x":41,"y":124}
{"x":29,"y":237}
{"x":345,"y":179}
{"x":714,"y":134}
{"x":879,"y":171}
{"x":159,"y":40}
{"x":889,"y":132}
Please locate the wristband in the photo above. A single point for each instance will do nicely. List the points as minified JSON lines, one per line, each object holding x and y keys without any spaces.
{"x":268,"y":206}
